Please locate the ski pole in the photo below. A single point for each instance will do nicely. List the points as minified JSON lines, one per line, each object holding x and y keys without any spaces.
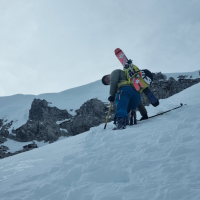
{"x":135,"y":120}
{"x":133,"y":115}
{"x":108,"y":115}
{"x":168,"y":110}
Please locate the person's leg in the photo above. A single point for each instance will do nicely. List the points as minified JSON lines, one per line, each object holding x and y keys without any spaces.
{"x":135,"y":100}
{"x":131,"y":106}
{"x":122,"y":101}
{"x":142,"y":109}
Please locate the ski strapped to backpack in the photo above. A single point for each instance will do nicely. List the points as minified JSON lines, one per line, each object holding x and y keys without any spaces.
{"x":134,"y":77}
{"x":132,"y":72}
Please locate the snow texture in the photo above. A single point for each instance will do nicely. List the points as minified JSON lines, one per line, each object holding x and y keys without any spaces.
{"x":158,"y":159}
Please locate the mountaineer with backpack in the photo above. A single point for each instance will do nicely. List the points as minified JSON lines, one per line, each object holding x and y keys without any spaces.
{"x":125,"y":88}
{"x":125,"y":96}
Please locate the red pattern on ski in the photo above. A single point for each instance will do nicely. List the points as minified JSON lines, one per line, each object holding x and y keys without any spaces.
{"x":121,"y":56}
{"x":137,"y":83}
{"x":123,"y":59}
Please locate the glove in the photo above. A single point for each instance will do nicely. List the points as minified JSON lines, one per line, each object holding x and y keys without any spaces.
{"x":111,"y":98}
{"x":147,"y":73}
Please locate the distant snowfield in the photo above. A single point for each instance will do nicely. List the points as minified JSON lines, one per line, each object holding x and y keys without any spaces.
{"x":17,"y":107}
{"x":16,"y":146}
{"x":158,"y":159}
{"x":189,"y":75}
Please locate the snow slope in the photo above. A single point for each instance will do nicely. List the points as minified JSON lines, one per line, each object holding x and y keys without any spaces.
{"x":158,"y":159}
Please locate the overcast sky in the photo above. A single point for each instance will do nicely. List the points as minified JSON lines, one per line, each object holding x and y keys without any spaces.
{"x":53,"y":45}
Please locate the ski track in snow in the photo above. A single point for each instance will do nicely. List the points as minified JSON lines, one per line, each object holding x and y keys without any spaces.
{"x":158,"y":159}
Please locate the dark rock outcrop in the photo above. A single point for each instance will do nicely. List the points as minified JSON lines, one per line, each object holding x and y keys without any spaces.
{"x":1,"y":123}
{"x":91,"y":113}
{"x":163,"y":88}
{"x":30,"y":146}
{"x":3,"y":149}
{"x":2,"y":140}
{"x":42,"y":123}
{"x":4,"y":128}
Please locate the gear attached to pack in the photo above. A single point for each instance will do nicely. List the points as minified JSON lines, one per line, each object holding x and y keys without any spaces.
{"x":131,"y":71}
{"x":134,"y":77}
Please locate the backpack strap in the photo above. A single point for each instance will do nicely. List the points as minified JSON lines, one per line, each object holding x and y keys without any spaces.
{"x":125,"y":83}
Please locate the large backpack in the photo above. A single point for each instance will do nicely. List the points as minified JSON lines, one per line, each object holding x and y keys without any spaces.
{"x":134,"y":76}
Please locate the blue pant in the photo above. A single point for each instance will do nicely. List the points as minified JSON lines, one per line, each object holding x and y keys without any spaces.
{"x":127,"y":98}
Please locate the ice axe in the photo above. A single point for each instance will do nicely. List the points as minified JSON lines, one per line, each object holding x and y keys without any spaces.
{"x":108,"y":115}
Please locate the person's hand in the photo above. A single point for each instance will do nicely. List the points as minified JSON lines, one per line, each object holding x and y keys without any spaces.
{"x":111,"y":98}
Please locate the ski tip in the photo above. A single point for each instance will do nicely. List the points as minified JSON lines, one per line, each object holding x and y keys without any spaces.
{"x":117,"y":50}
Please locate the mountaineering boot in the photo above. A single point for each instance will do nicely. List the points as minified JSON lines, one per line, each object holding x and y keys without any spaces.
{"x":127,"y":120}
{"x":144,"y":117}
{"x":120,"y":123}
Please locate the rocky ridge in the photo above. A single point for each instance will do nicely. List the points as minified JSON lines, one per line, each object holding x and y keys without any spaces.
{"x":163,"y":88}
{"x":49,"y":123}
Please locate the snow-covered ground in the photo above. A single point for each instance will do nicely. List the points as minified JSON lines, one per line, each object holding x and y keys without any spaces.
{"x":158,"y":159}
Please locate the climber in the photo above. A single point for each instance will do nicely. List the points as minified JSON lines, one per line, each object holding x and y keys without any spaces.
{"x":125,"y":96}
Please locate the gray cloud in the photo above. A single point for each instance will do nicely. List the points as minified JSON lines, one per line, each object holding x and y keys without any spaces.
{"x":50,"y":46}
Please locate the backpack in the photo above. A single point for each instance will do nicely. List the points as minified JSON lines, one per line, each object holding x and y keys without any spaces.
{"x":134,"y":76}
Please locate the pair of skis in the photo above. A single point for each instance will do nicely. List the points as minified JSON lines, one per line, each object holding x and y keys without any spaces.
{"x":136,"y":77}
{"x":133,"y":73}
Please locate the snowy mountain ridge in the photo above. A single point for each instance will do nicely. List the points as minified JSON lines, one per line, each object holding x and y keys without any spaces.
{"x":158,"y":159}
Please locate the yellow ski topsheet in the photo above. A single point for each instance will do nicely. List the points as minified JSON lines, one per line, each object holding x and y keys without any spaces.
{"x":136,"y":78}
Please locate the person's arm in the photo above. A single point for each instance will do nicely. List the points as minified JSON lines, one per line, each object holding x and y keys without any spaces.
{"x":114,"y":80}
